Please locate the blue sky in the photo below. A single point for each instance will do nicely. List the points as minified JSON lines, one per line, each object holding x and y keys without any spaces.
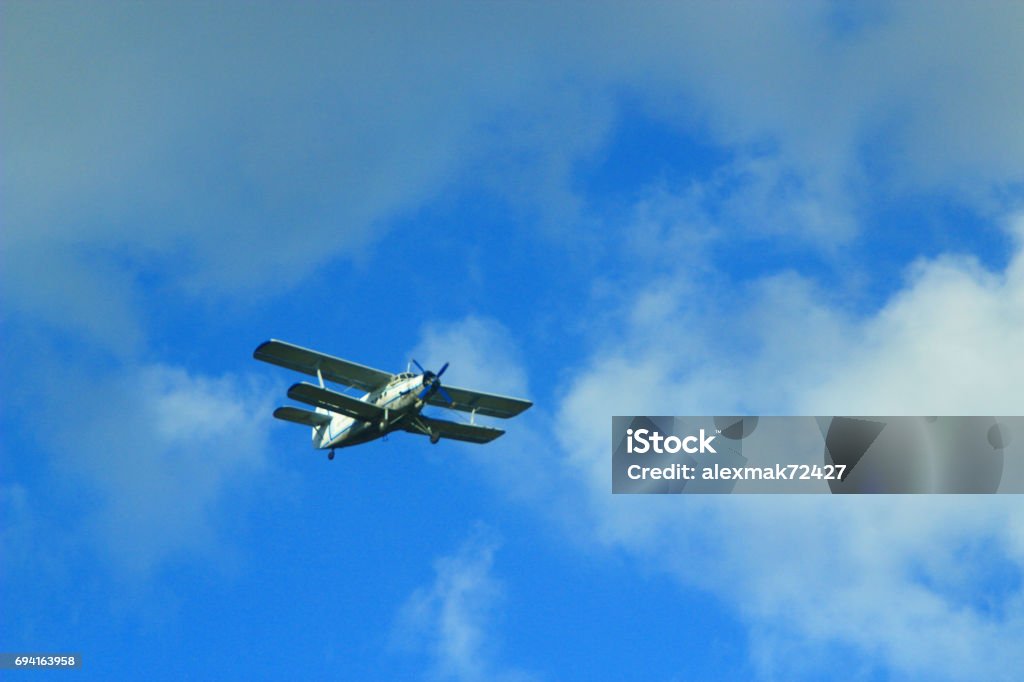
{"x":766,"y":208}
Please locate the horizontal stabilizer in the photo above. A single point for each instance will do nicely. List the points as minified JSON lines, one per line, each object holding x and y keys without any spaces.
{"x":335,"y":402}
{"x":469,"y":433}
{"x":294,"y":414}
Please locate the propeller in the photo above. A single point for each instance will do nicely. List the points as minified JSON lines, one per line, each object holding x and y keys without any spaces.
{"x":432,"y":382}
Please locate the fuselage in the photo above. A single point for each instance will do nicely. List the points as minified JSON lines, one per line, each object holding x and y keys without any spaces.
{"x":400,"y":400}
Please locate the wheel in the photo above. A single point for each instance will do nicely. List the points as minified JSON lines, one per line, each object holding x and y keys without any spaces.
{"x":330,"y":455}
{"x":434,"y":437}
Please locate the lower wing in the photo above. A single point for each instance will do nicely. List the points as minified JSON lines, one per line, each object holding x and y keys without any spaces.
{"x":294,"y":414}
{"x":470,"y":433}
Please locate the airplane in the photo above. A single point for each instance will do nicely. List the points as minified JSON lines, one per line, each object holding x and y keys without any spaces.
{"x":391,"y":402}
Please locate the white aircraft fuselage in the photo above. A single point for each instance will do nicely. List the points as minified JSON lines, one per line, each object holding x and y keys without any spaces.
{"x":399,"y":398}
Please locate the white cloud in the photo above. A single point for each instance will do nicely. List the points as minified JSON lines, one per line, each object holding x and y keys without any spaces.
{"x":947,"y":344}
{"x":485,"y":355}
{"x":482,"y":353}
{"x":895,"y":579}
{"x":932,"y":82}
{"x":453,"y":618}
{"x":890,"y":579}
{"x":215,"y":148}
{"x":220,"y":150}
{"x":159,"y":451}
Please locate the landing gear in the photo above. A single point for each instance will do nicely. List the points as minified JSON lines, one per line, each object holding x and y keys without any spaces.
{"x":330,"y":455}
{"x":434,"y":437}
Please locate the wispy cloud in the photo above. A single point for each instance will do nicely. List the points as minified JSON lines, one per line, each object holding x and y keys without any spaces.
{"x":485,"y":356}
{"x":454,"y":618}
{"x":159,"y":451}
{"x":482,"y":353}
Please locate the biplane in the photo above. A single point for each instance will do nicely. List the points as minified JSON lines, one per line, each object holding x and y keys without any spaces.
{"x":389,"y":402}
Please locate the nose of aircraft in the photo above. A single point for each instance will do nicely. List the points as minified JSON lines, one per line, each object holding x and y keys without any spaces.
{"x":432,"y":382}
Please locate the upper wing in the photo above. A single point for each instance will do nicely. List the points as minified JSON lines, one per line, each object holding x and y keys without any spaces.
{"x":470,"y":433}
{"x":334,"y":401}
{"x":333,"y":369}
{"x":488,"y":404}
